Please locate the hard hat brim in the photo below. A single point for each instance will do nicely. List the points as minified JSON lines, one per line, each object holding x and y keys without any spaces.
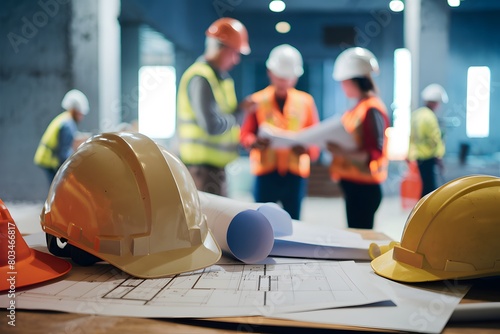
{"x":384,"y":265}
{"x":387,"y":267}
{"x":170,"y":262}
{"x":38,"y":267}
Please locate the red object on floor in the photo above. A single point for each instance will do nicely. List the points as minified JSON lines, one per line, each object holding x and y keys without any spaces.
{"x":411,"y":186}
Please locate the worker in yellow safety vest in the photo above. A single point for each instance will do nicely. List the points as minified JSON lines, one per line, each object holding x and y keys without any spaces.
{"x":426,"y":143}
{"x":281,"y":173}
{"x":56,"y":144}
{"x":360,"y":172}
{"x":208,"y":114}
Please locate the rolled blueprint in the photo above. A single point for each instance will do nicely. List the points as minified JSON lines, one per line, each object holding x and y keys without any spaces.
{"x":244,"y":230}
{"x":329,"y":130}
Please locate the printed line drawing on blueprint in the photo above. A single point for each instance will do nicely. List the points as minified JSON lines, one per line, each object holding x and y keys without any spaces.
{"x":219,"y":290}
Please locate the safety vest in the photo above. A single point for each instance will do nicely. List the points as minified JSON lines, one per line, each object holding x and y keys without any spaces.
{"x":425,"y":137}
{"x":299,"y":112}
{"x":196,"y":146}
{"x":375,"y":172}
{"x":46,"y":155}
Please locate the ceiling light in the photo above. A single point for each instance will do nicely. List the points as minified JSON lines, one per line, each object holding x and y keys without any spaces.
{"x":277,"y":6}
{"x":397,"y":5}
{"x":282,"y":27}
{"x":453,"y":3}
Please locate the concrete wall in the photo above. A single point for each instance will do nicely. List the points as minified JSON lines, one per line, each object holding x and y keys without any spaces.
{"x":36,"y":62}
{"x":473,"y":42}
{"x":51,"y":47}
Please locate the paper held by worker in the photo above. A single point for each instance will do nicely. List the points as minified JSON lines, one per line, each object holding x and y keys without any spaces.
{"x":329,"y":130}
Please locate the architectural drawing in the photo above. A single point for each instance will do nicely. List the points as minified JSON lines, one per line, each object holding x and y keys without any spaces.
{"x":219,"y":290}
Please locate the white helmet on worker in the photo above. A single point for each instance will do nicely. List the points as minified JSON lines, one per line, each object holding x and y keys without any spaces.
{"x":124,"y":199}
{"x":354,"y":62}
{"x":285,"y":61}
{"x":451,"y":233}
{"x":434,"y":93}
{"x":75,"y":99}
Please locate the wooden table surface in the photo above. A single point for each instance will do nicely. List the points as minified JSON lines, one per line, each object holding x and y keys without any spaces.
{"x":48,"y":322}
{"x":483,"y":290}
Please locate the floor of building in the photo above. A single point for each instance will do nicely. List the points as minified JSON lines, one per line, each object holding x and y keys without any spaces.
{"x":390,"y":218}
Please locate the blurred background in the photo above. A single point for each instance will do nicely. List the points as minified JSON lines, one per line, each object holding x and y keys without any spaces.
{"x":128,"y":55}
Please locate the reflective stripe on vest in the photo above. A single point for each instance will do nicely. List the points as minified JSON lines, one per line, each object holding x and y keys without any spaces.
{"x":45,"y":155}
{"x":195,"y":145}
{"x":375,"y":171}
{"x":292,"y":118}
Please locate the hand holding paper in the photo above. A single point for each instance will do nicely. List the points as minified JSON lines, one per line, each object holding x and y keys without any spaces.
{"x":329,"y":130}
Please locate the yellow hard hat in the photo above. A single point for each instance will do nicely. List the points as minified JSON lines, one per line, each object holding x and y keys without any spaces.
{"x":451,"y":233}
{"x":124,"y":199}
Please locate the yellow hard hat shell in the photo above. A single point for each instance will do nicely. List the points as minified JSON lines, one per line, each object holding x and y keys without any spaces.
{"x":451,"y":233}
{"x":128,"y":201}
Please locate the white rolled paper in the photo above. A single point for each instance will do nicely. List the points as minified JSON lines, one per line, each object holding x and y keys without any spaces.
{"x":244,"y":230}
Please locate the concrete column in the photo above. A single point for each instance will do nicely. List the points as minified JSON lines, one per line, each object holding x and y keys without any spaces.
{"x":130,"y":62}
{"x":426,"y":36}
{"x":109,"y":65}
{"x":83,"y":53}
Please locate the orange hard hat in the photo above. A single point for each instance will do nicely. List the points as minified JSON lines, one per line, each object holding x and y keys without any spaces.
{"x":231,"y":33}
{"x":21,"y":265}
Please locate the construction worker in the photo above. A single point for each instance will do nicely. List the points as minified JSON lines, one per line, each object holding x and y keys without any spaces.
{"x":57,"y":142}
{"x":281,"y":174}
{"x":360,"y":172}
{"x":426,"y":143}
{"x":208,"y":112}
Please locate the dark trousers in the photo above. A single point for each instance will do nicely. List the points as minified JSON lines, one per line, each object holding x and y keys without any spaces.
{"x":288,"y":189}
{"x":428,"y":175}
{"x":50,"y":173}
{"x":209,"y":179}
{"x":361,"y":203}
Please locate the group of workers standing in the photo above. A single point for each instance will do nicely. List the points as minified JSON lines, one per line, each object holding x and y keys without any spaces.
{"x":212,"y":125}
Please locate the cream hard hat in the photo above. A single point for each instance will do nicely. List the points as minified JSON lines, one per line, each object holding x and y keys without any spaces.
{"x":354,"y":62}
{"x":285,"y":61}
{"x":75,"y":99}
{"x":451,"y":233}
{"x":434,"y":93}
{"x":124,"y":199}
{"x":21,"y":265}
{"x":231,"y":33}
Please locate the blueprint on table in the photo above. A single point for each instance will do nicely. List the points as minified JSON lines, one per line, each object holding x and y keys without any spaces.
{"x":219,"y":290}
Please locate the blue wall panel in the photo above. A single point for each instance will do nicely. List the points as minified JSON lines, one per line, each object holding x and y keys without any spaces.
{"x":473,"y":42}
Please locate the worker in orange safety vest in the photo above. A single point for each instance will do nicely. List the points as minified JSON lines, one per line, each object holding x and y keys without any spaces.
{"x":360,"y":172}
{"x":281,"y":173}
